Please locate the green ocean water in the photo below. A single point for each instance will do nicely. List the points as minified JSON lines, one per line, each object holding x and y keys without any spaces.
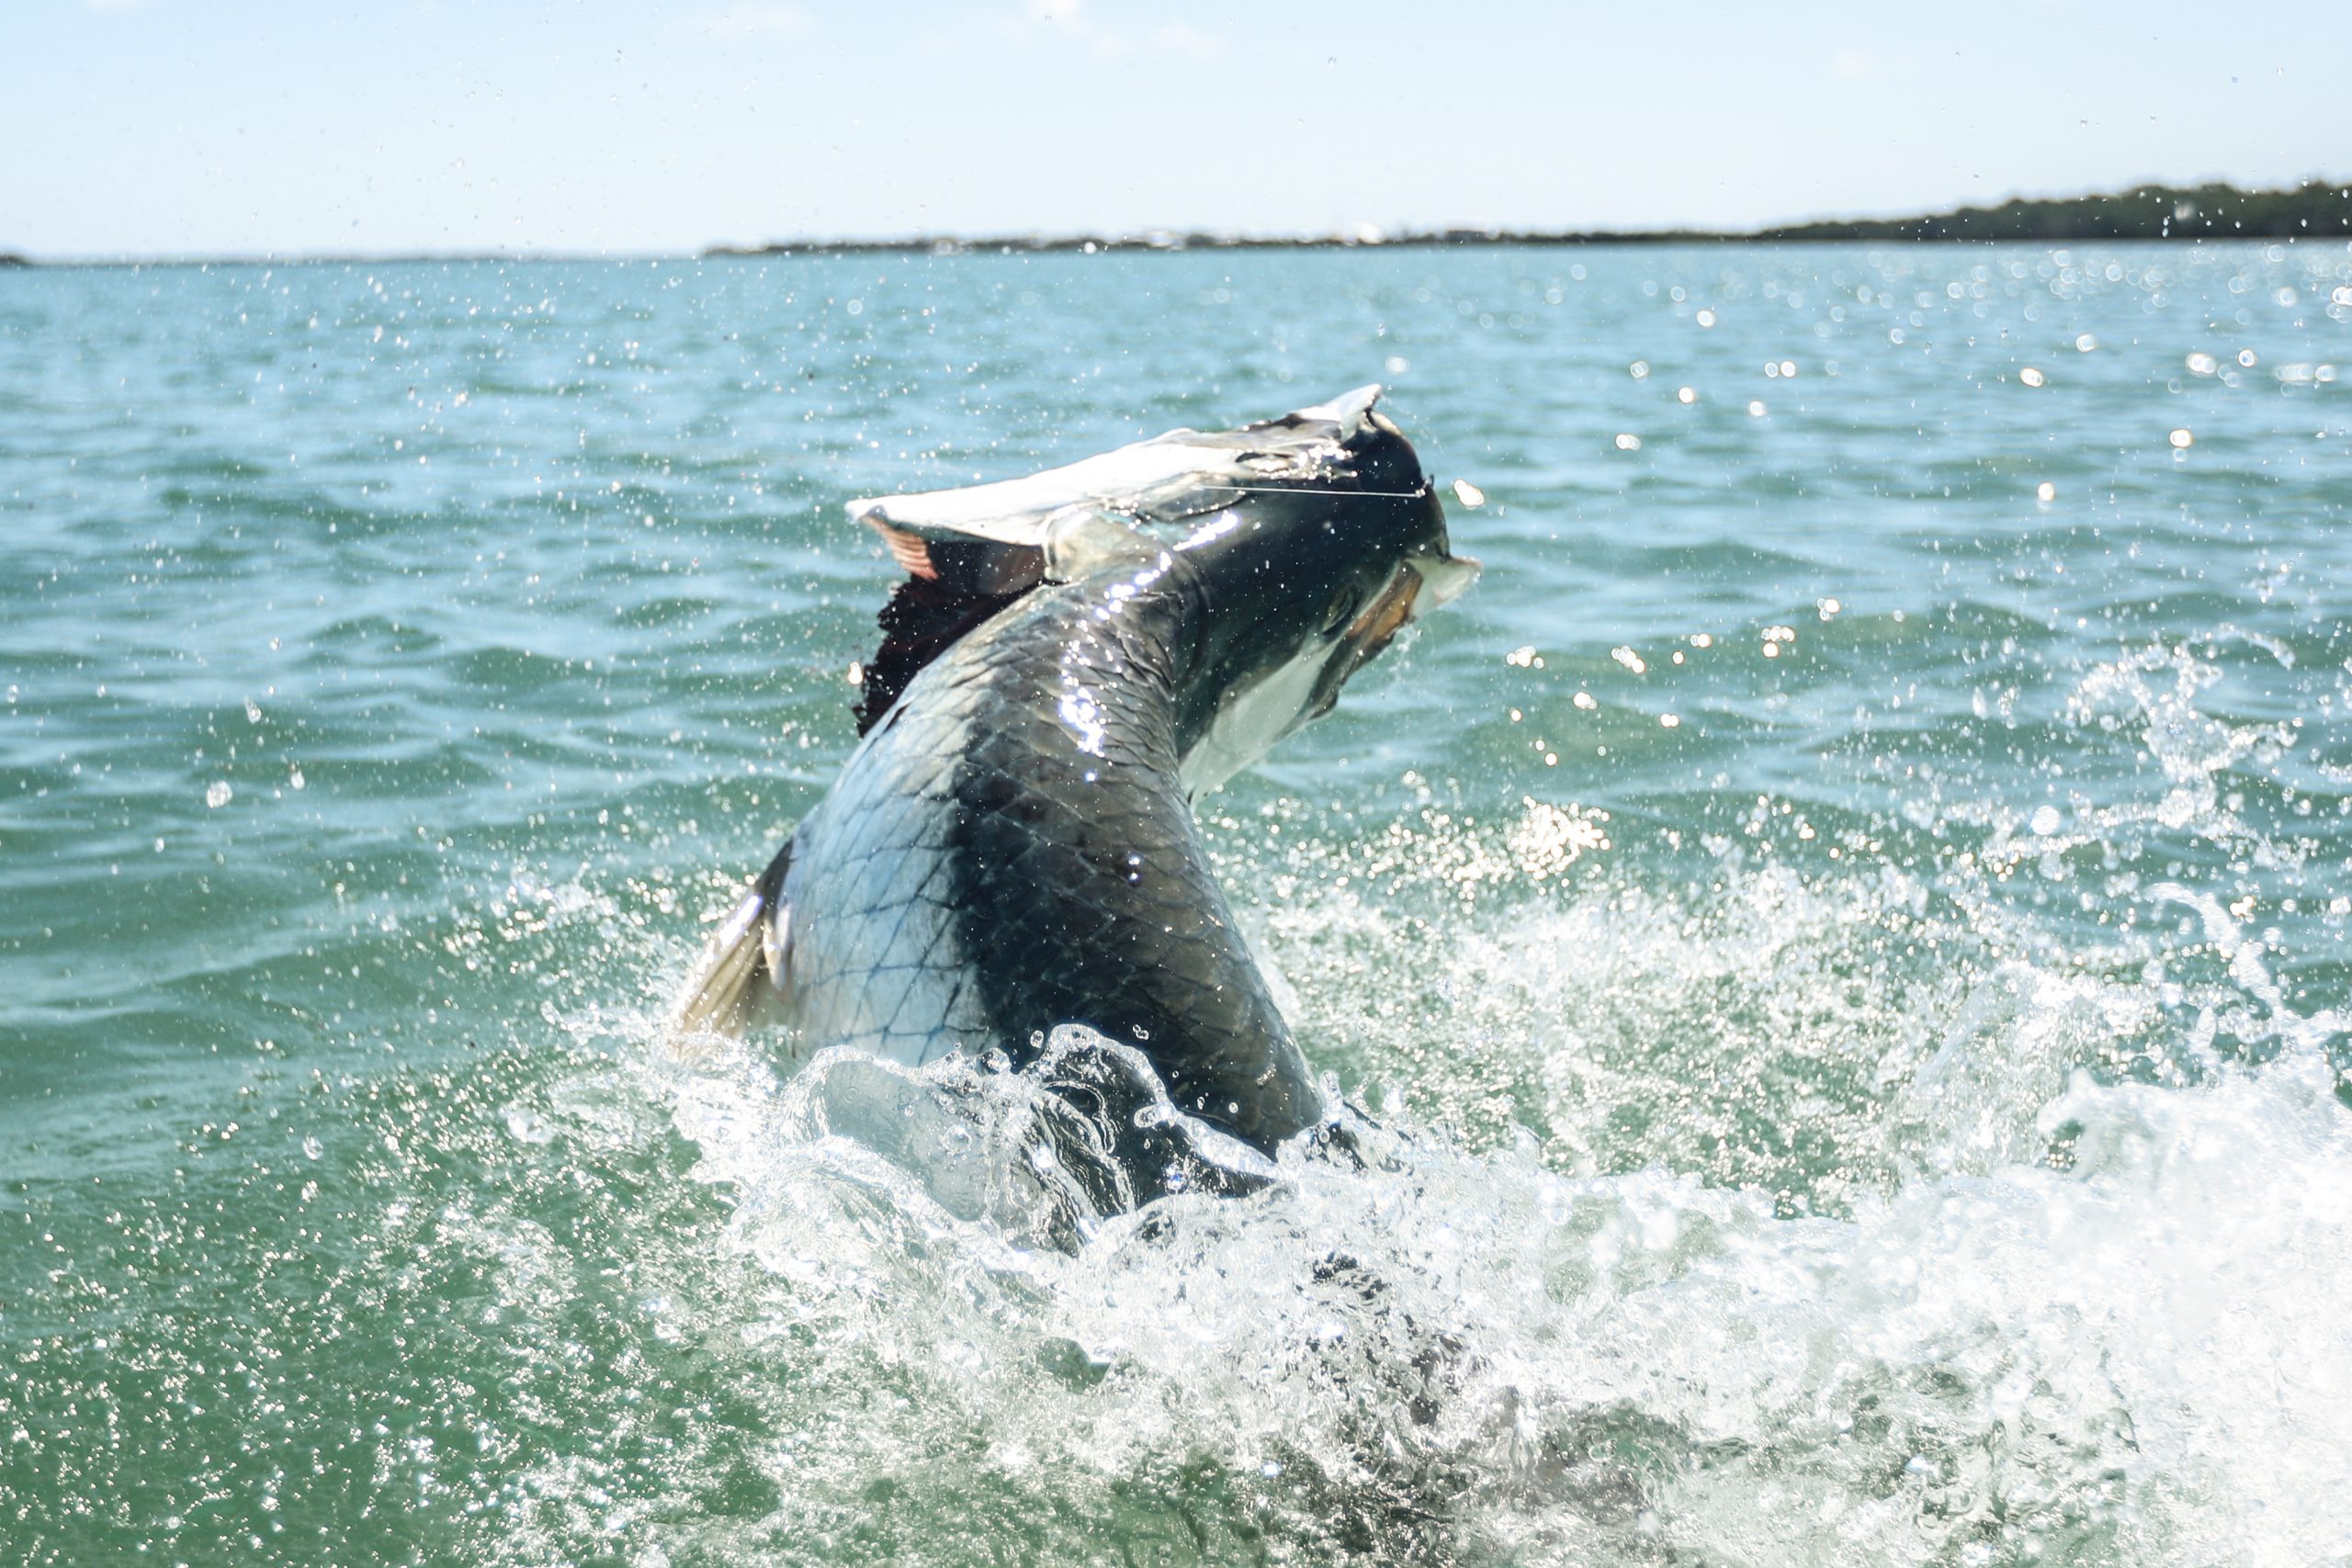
{"x":1846,"y":945}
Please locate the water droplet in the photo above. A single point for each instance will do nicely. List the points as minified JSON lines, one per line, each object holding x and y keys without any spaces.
{"x":2045,"y":490}
{"x":1398,"y":365}
{"x":1686,"y":395}
{"x":2032,"y":377}
{"x":2248,"y":358}
{"x":295,"y":778}
{"x":217,"y":794}
{"x":253,"y":711}
{"x":1756,"y":409}
{"x":1706,"y":318}
{"x":1638,"y":369}
{"x":528,"y":1126}
{"x":2202,"y":365}
{"x":2046,"y":821}
{"x":2181,"y":439}
{"x":1628,"y":442}
{"x":312,"y":1148}
{"x":2085,"y":343}
{"x":1468,"y":494}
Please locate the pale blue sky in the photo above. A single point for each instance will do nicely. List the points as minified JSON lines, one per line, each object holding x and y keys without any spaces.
{"x":190,"y":127}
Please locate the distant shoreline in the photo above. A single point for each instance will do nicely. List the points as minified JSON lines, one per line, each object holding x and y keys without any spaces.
{"x":2316,"y":210}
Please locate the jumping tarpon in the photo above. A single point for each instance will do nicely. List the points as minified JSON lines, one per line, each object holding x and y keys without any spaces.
{"x":1074,"y":659}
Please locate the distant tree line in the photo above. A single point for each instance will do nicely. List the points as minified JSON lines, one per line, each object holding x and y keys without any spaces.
{"x":2314,"y":209}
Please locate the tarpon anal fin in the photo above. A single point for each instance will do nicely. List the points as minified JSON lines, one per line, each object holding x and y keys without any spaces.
{"x":747,"y":965}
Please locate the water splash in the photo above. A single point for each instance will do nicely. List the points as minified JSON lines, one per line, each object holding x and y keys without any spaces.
{"x":1470,"y":1356}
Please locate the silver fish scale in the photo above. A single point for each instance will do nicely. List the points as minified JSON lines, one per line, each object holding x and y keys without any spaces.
{"x":1010,"y":849}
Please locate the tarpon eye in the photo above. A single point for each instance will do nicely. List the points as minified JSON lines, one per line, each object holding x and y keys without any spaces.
{"x":1342,"y":608}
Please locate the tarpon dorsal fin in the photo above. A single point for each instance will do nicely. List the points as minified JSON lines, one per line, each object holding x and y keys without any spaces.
{"x":925,"y":615}
{"x":969,"y":552}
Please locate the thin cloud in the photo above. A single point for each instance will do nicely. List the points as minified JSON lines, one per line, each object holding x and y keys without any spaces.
{"x":1871,"y":65}
{"x":1061,"y":16}
{"x":752,"y":20}
{"x":1069,"y":21}
{"x":1179,"y":38}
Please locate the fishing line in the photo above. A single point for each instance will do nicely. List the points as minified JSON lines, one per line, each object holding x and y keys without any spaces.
{"x":1300,"y":490}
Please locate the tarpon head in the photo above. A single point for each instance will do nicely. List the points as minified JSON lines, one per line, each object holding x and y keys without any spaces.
{"x":1283,"y":558}
{"x":1307,"y":572}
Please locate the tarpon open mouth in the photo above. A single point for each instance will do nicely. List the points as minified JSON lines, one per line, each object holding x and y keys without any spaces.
{"x":1073,"y":658}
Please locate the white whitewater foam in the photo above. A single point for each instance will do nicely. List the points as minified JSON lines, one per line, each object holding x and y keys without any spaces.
{"x":1824,"y":1248}
{"x":2139,"y":1359}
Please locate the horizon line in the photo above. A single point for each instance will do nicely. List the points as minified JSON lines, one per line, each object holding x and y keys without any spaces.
{"x":2074,"y":221}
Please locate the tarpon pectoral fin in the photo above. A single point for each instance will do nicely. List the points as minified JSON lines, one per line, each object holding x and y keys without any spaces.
{"x":971,"y":551}
{"x":1133,"y":482}
{"x":747,"y":968}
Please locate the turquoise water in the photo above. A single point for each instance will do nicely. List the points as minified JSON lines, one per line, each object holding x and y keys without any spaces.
{"x":1848,"y":947}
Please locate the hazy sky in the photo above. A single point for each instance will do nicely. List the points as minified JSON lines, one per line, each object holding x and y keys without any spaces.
{"x":192,"y":127}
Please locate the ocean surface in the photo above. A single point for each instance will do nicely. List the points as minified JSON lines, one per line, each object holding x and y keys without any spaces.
{"x":1843,"y":933}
